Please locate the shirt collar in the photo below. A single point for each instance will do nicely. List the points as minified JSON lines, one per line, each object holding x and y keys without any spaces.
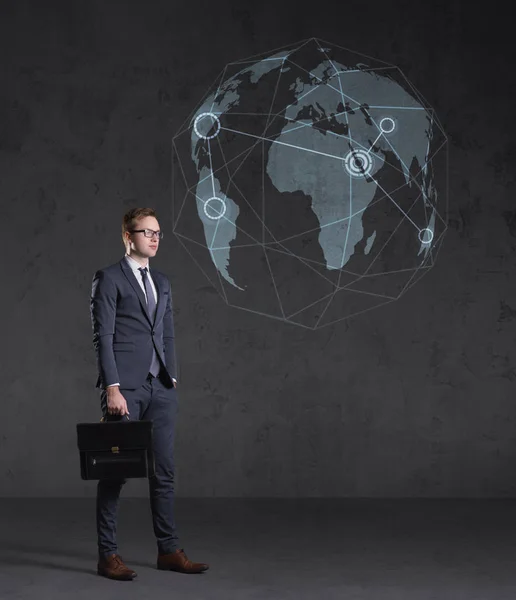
{"x":135,"y":265}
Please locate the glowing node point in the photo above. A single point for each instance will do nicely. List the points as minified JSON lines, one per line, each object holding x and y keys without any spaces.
{"x":213,"y":121}
{"x":211,"y":205}
{"x":358,"y":163}
{"x":426,"y":235}
{"x":387,"y":125}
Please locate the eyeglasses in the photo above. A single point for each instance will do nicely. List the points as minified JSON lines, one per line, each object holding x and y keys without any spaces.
{"x":149,"y":233}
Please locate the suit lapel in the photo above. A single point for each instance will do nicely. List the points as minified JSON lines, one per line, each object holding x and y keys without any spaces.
{"x":159,"y":295}
{"x":128,"y":272}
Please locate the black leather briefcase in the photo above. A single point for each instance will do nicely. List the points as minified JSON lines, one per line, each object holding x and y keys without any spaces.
{"x":115,"y":449}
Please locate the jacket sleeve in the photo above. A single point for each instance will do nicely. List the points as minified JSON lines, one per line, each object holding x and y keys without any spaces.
{"x":168,"y":337}
{"x":103,"y":311}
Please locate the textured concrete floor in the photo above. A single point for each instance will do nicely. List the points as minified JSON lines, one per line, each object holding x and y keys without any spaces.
{"x":270,"y":549}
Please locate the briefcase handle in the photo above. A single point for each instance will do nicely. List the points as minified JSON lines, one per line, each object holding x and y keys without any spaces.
{"x":103,"y":420}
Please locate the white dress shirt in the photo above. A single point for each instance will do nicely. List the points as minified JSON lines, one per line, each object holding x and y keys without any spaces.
{"x":135,"y":266}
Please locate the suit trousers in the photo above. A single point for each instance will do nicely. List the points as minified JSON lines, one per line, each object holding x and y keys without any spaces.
{"x":153,"y":402}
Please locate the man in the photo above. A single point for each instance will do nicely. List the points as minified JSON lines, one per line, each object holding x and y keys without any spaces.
{"x":133,"y":336}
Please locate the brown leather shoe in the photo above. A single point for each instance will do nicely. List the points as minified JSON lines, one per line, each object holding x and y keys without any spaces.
{"x":113,"y":567}
{"x":178,"y":561}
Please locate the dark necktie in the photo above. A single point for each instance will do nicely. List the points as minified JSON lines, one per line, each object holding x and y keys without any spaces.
{"x":151,"y":305}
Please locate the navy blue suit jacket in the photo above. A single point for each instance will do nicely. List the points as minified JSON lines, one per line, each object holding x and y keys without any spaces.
{"x":123,"y":332}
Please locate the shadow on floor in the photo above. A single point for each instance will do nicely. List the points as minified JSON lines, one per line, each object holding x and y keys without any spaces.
{"x":25,"y":560}
{"x":21,"y":554}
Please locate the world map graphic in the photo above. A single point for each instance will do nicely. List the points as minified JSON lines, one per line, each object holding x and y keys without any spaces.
{"x":310,"y":183}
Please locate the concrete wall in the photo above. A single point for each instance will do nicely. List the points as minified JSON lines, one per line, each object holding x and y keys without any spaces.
{"x":413,"y":399}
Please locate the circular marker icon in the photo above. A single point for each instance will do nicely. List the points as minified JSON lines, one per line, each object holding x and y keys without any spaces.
{"x":387,"y":125}
{"x":214,"y":208}
{"x":204,"y":123}
{"x":358,"y":163}
{"x":426,"y":235}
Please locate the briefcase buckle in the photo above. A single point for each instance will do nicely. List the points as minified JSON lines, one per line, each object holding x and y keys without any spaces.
{"x":115,"y":450}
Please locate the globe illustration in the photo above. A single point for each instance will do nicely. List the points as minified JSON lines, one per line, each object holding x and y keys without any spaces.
{"x":310,"y":184}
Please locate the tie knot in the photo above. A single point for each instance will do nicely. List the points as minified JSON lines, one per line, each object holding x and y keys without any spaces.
{"x":143,"y":270}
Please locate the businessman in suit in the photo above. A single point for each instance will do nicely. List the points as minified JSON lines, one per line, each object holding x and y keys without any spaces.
{"x":133,"y":337}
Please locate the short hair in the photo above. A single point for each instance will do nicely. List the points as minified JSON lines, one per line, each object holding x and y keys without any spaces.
{"x":132,"y":216}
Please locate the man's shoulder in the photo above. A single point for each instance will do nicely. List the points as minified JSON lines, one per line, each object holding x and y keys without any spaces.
{"x":110,"y":269}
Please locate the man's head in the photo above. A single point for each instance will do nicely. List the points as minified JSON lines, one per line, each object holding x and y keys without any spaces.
{"x":135,"y":228}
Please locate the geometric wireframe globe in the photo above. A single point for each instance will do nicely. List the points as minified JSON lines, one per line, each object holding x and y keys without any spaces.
{"x":310,"y":184}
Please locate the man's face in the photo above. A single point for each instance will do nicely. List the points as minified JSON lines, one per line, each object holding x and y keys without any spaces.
{"x":141,"y":245}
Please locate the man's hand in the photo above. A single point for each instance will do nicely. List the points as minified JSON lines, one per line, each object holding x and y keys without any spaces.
{"x":116,"y":403}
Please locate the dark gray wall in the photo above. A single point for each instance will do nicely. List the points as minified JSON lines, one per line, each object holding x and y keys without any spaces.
{"x":413,"y":399}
